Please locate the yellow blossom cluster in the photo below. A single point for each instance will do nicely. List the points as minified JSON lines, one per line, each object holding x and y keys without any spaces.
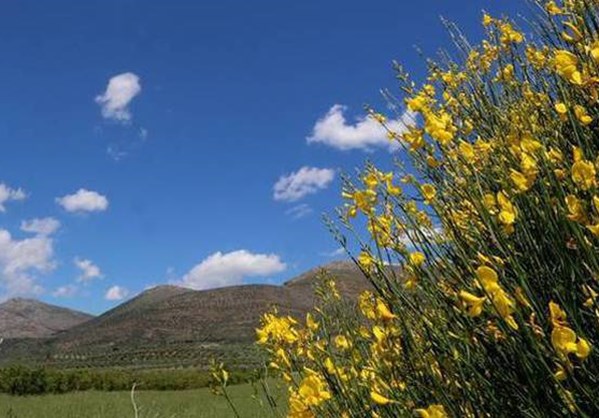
{"x":476,"y":244}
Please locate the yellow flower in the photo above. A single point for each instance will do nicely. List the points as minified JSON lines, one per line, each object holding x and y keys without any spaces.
{"x":313,"y":390}
{"x":594,"y":229}
{"x":417,"y":258}
{"x":487,"y":278}
{"x":277,"y":329}
{"x":576,"y":210}
{"x":583,"y":174}
{"x":582,"y":115}
{"x":383,"y":311}
{"x":366,"y":260}
{"x":311,"y":323}
{"x":467,"y":151}
{"x":429,"y":192}
{"x":509,"y":34}
{"x":379,"y":399}
{"x":490,"y":203}
{"x":563,"y":338}
{"x":565,"y":342}
{"x":440,"y":127}
{"x":552,"y":8}
{"x":521,"y":182}
{"x":487,"y":20}
{"x":505,"y":307}
{"x":366,"y":304}
{"x":557,"y":314}
{"x":593,"y":50}
{"x":474,"y":304}
{"x":566,"y":65}
{"x":507,"y":213}
{"x":562,"y":111}
{"x":433,"y":411}
{"x":341,"y":342}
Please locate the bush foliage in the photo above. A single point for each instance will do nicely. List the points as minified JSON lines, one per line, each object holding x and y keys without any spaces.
{"x":21,"y":380}
{"x":482,"y":243}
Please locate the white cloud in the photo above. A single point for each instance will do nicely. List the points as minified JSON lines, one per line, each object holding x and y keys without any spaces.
{"x":40,"y":226}
{"x":305,"y":181}
{"x":335,"y":253}
{"x":116,"y":293}
{"x":8,"y":194}
{"x":299,"y":211}
{"x":83,"y":201}
{"x":121,"y":89}
{"x":89,"y":270}
{"x":22,"y":260}
{"x":220,"y":270}
{"x":67,"y":291}
{"x":366,"y":133}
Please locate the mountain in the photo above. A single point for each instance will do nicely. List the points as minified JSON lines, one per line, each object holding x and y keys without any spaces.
{"x":28,"y":318}
{"x":169,"y":325}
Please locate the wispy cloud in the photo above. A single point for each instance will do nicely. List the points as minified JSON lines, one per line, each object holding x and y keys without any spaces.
{"x":83,"y":201}
{"x":335,"y":253}
{"x":67,"y":291}
{"x":8,"y":194}
{"x":228,"y":269}
{"x":121,"y":90}
{"x":40,"y":226}
{"x":335,"y":131}
{"x":305,"y":181}
{"x":299,"y":211}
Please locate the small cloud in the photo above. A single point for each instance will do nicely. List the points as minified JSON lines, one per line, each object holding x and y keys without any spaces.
{"x":366,"y":133}
{"x":40,"y":226}
{"x":67,"y":291}
{"x":121,"y":90}
{"x":220,"y":270}
{"x":83,"y":201}
{"x":335,"y":253}
{"x":89,"y":271}
{"x":115,"y":153}
{"x":116,"y":293}
{"x":305,"y":181}
{"x":8,"y":194}
{"x":299,"y":211}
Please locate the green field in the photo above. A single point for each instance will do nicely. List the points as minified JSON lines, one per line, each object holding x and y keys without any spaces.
{"x":183,"y":404}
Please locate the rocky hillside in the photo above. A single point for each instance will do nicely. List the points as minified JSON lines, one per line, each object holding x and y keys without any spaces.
{"x":168,"y":325}
{"x":28,"y":318}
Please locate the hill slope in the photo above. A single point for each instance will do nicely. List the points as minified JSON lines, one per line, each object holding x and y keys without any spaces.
{"x":28,"y":318}
{"x":168,"y":325}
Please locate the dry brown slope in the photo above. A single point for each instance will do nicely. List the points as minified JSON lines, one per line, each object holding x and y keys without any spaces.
{"x":169,"y":315}
{"x":28,"y":318}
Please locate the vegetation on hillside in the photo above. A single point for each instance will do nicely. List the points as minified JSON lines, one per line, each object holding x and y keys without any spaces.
{"x":168,"y":326}
{"x":493,"y":216}
{"x":22,"y":380}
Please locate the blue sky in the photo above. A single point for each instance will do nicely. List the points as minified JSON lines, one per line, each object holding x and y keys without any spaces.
{"x":167,"y":174}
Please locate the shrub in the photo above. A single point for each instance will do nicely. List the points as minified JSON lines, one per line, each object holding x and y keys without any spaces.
{"x":482,"y":245}
{"x":21,"y":380}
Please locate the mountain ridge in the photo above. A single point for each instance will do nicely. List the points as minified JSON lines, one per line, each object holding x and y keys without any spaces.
{"x":174,"y":326}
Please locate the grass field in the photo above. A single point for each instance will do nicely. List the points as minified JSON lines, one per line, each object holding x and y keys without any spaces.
{"x":184,"y":404}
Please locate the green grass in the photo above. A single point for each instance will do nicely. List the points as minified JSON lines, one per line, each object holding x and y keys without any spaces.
{"x":184,"y":404}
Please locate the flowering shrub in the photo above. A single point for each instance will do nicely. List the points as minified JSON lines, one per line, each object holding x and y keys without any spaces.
{"x":482,"y":246}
